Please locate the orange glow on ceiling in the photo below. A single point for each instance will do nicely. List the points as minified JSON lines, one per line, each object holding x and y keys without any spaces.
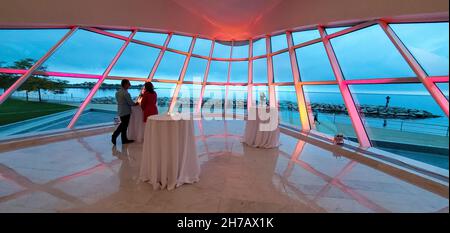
{"x":231,"y":19}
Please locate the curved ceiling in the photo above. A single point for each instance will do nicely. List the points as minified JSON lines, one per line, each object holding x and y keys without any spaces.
{"x":220,"y":19}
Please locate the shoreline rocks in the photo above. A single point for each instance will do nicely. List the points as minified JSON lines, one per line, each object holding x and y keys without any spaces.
{"x":373,"y":111}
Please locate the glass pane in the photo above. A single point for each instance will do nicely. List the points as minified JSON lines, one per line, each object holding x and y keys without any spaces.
{"x":313,"y":63}
{"x":329,"y":114}
{"x":213,"y":100}
{"x":181,"y":43}
{"x":237,"y":100}
{"x":240,"y":51}
{"x":444,"y":88}
{"x":368,"y":53}
{"x":428,"y":42}
{"x":335,"y":29}
{"x":260,"y":93}
{"x":239,"y":72}
{"x":282,"y":70}
{"x":202,"y":47}
{"x":42,"y":104}
{"x":17,"y":45}
{"x":278,"y":42}
{"x":218,"y":71}
{"x":259,"y":47}
{"x":85,"y":52}
{"x":287,"y":106}
{"x":404,"y":119}
{"x":103,"y":106}
{"x":122,"y":33}
{"x":151,"y":37}
{"x":188,"y":98}
{"x":136,"y":61}
{"x":170,"y":66}
{"x":196,"y":69}
{"x":304,"y":36}
{"x":165,"y":94}
{"x":260,"y":70}
{"x":222,"y":50}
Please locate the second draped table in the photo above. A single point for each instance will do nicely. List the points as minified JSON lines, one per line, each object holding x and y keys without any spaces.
{"x":136,"y":126}
{"x":169,"y":157}
{"x":261,"y":129}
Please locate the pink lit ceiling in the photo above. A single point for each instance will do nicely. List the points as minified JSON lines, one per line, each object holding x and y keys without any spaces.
{"x":220,"y":19}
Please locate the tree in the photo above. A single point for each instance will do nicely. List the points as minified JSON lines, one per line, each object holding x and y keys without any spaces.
{"x":36,"y":82}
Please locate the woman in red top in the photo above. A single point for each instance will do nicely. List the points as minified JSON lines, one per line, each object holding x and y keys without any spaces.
{"x":148,"y":102}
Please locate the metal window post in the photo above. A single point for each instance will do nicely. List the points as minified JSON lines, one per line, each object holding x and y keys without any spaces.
{"x":356,"y":120}
{"x":301,"y":101}
{"x":182,"y":74}
{"x":205,"y":78}
{"x":272,"y":97}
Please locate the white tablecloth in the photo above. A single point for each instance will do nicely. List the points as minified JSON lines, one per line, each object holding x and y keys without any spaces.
{"x":169,"y":157}
{"x":259,"y":133}
{"x":136,"y":126}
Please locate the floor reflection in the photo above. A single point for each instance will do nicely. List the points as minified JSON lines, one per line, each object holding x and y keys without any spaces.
{"x":88,"y":174}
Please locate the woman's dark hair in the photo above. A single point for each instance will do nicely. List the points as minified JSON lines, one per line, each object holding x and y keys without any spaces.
{"x":149,"y":87}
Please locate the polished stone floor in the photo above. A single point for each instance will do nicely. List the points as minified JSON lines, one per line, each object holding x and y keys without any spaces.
{"x":88,"y":174}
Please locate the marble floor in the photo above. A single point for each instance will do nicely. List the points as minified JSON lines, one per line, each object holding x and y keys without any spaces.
{"x":88,"y":174}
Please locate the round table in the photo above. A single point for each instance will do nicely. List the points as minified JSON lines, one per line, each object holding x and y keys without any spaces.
{"x":136,"y":126}
{"x":169,"y":157}
{"x":262,"y":131}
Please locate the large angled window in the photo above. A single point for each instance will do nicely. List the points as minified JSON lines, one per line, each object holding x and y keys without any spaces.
{"x":188,"y":98}
{"x":260,"y":70}
{"x":428,"y":42}
{"x":43,"y":103}
{"x":278,"y":42}
{"x":282,"y":70}
{"x":239,"y":72}
{"x":181,"y":43}
{"x":196,"y":69}
{"x":202,"y":47}
{"x":151,"y":37}
{"x":222,"y":49}
{"x":287,"y":106}
{"x":218,"y":71}
{"x":136,"y":61}
{"x":404,"y":119}
{"x":170,"y":66}
{"x":103,"y":107}
{"x":368,"y":53}
{"x":240,"y":49}
{"x":313,"y":63}
{"x":85,"y":52}
{"x":21,"y":44}
{"x":304,"y":36}
{"x":259,"y":47}
{"x":328,"y":113}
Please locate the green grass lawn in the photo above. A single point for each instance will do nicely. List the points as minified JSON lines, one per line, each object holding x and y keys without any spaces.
{"x":13,"y":110}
